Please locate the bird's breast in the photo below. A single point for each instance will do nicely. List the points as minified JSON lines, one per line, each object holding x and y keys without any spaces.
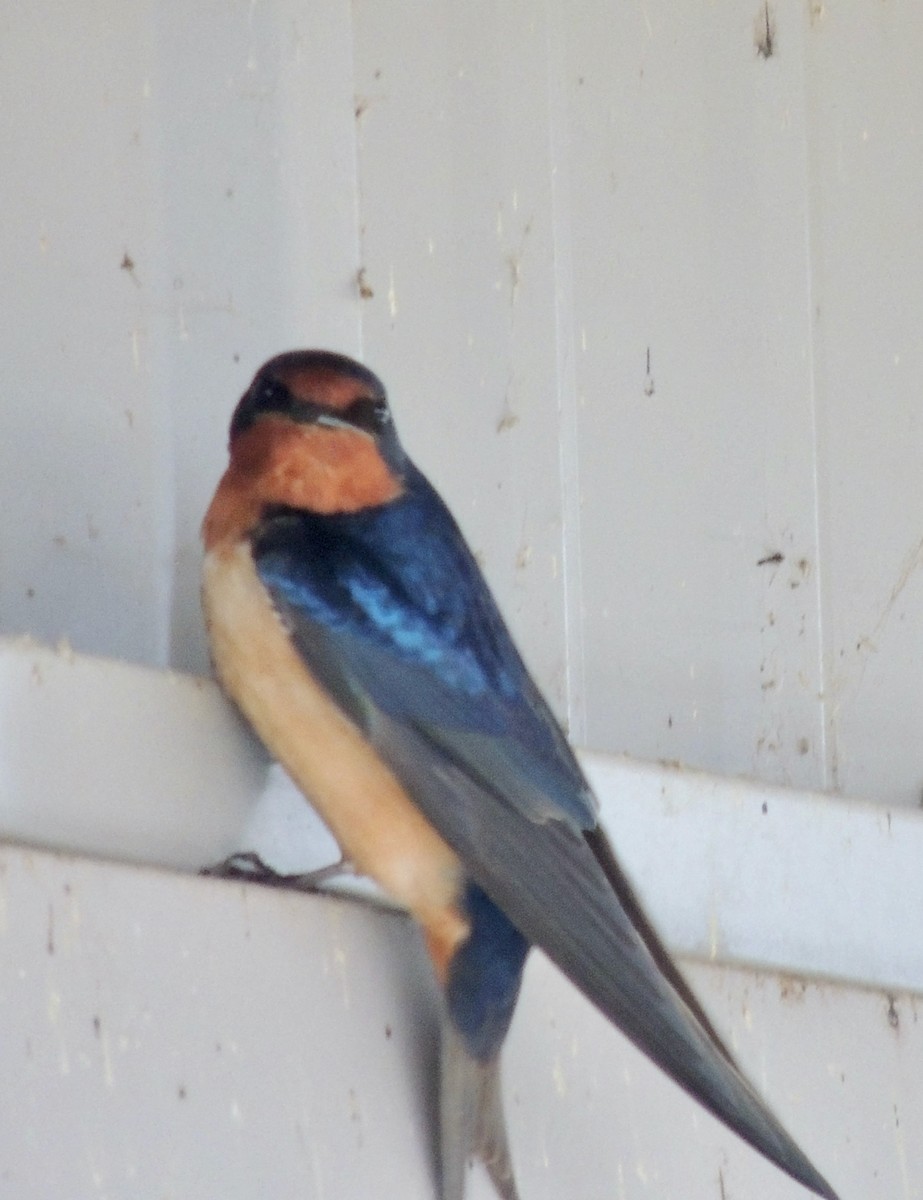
{"x":376,"y":823}
{"x":277,"y":462}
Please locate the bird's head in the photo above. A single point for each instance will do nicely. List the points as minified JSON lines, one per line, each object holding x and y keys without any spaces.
{"x":322,"y":389}
{"x":313,"y":431}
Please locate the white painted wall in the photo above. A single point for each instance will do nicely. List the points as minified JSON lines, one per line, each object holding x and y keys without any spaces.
{"x":163,"y":1035}
{"x":647,"y":302}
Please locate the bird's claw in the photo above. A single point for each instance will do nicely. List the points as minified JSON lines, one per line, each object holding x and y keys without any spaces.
{"x":248,"y":865}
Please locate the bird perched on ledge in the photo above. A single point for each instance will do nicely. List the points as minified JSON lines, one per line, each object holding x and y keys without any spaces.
{"x":349,"y":621}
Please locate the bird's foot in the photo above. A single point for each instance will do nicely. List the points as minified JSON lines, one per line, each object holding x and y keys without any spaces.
{"x":248,"y":865}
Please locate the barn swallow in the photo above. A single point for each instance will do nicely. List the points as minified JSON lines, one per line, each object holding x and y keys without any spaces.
{"x":349,"y":621}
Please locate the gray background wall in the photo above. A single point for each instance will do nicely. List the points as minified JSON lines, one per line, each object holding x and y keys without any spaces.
{"x":645,"y":284}
{"x":644,"y":280}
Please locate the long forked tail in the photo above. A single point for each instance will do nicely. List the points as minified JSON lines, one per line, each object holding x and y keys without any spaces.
{"x":563,"y":889}
{"x":610,"y":951}
{"x":471,"y":1122}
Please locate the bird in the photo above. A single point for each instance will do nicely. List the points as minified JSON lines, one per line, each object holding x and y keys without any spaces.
{"x":351,"y":624}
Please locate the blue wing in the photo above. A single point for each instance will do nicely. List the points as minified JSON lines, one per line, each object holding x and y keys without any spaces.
{"x":390,"y":607}
{"x":390,"y":612}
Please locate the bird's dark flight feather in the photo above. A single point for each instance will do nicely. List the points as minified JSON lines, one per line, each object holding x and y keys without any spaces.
{"x":390,"y":612}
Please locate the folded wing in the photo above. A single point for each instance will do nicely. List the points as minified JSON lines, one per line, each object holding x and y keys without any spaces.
{"x":390,"y":611}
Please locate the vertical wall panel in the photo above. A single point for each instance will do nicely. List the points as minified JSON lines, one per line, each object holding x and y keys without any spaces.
{"x":457,"y":247}
{"x":87,"y":485}
{"x":260,"y":226}
{"x":179,"y":188}
{"x":687,"y":165}
{"x":866,"y":188}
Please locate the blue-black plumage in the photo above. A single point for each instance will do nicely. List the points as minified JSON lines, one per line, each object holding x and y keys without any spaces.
{"x":391,"y":625}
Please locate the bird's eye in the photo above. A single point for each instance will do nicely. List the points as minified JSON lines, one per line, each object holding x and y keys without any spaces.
{"x":368,"y":414}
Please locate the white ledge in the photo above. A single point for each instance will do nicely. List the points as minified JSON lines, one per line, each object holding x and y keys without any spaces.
{"x":124,"y":762}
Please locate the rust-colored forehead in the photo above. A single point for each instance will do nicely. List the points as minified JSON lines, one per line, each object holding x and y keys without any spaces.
{"x":325,"y":387}
{"x":332,"y":381}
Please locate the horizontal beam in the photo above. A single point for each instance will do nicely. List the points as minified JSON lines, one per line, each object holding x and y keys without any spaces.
{"x":124,"y":762}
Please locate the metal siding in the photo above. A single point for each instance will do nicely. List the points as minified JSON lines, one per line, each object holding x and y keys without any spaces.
{"x":645,"y":294}
{"x":458,"y":248}
{"x":693,"y":366}
{"x":179,"y":203}
{"x":167,"y":1036}
{"x":865,"y":110}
